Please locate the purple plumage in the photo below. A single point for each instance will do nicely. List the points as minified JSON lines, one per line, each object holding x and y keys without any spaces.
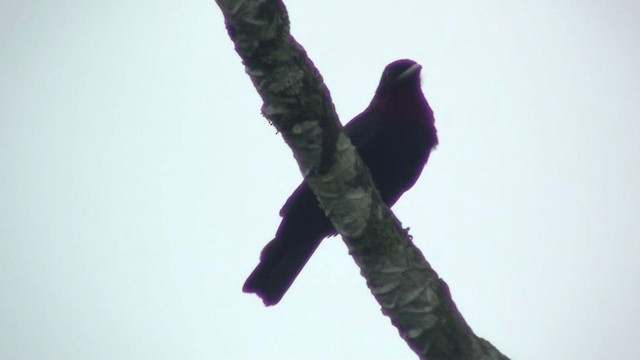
{"x":394,"y":137}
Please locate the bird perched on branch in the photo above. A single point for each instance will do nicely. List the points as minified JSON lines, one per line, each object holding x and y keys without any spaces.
{"x":394,"y":136}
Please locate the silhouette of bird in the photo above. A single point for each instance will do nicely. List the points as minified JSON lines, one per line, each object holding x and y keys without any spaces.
{"x":394,"y":136}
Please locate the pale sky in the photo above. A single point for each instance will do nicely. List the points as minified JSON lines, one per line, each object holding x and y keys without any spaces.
{"x":139,"y":181}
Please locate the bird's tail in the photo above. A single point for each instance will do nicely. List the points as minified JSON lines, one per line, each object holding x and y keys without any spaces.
{"x":280,"y":263}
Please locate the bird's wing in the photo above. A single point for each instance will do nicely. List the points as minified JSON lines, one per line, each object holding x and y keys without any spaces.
{"x":364,"y":127}
{"x":301,"y":195}
{"x":361,"y":130}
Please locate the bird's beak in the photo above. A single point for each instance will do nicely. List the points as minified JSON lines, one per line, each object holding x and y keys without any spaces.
{"x":415,"y":68}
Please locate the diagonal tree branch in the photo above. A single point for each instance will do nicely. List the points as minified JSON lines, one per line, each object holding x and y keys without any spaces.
{"x":298,"y":104}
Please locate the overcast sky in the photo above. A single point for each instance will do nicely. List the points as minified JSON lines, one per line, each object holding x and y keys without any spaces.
{"x":139,"y":181}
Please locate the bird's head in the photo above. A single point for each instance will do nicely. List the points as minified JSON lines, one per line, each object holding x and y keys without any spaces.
{"x":403,"y":73}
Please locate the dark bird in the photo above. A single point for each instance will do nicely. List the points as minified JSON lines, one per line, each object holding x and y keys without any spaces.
{"x":394,"y":136}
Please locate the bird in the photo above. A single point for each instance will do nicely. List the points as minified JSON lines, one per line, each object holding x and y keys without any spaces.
{"x":394,"y":136}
